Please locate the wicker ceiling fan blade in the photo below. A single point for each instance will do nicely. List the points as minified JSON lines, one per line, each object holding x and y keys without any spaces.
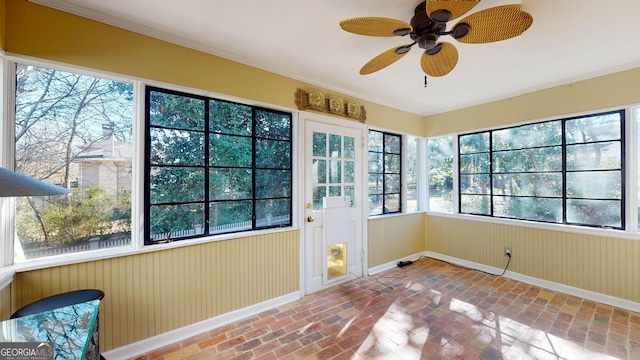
{"x":440,"y":60}
{"x":455,"y":8}
{"x":375,"y":26}
{"x":385,"y":59}
{"x":496,"y":24}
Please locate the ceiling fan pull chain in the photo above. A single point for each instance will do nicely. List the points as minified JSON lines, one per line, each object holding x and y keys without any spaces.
{"x":425,"y":81}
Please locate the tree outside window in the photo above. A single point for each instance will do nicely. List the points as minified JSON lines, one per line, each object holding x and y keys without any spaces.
{"x":75,"y":131}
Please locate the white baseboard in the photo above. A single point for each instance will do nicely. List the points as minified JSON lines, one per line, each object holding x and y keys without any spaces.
{"x":158,"y":341}
{"x":144,"y":346}
{"x":566,"y":289}
{"x":392,"y":264}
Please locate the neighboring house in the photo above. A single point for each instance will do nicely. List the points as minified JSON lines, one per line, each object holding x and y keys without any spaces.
{"x":106,"y":163}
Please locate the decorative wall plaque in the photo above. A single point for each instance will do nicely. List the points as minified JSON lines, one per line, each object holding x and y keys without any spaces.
{"x":332,"y":104}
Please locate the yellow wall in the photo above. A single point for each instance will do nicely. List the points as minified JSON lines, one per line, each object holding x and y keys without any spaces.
{"x":2,"y":23}
{"x":605,"y":265}
{"x":5,"y":302}
{"x":602,"y":264}
{"x":50,"y":34}
{"x":152,"y":293}
{"x":395,"y":237}
{"x":617,"y":89}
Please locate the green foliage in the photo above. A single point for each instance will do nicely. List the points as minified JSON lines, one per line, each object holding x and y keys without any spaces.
{"x":247,"y":147}
{"x":74,"y":218}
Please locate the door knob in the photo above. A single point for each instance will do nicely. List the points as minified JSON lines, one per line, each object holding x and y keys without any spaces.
{"x":309,"y":219}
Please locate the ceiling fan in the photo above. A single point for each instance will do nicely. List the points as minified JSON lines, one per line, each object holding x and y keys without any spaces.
{"x":429,"y":22}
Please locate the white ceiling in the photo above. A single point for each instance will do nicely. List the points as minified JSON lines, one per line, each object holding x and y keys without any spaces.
{"x":569,"y":40}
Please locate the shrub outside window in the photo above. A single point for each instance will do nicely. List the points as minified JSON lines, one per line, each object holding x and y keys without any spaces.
{"x":568,"y":171}
{"x":214,"y":167}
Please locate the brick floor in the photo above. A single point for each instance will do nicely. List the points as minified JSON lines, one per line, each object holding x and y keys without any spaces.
{"x":428,"y":310}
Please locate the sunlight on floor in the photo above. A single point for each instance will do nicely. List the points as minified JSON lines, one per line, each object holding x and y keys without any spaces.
{"x":398,"y":334}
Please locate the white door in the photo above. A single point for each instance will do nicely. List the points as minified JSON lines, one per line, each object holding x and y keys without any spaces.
{"x":333,"y":216}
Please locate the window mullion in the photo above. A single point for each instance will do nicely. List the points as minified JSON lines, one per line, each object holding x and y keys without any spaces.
{"x":253,"y":169}
{"x":564,"y":171}
{"x":491,"y":173}
{"x":207,"y":168}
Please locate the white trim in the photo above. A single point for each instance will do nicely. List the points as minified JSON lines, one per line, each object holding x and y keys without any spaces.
{"x":76,"y":258}
{"x":390,"y":265}
{"x":573,"y":229}
{"x":6,"y":278}
{"x":582,"y":293}
{"x":630,"y":169}
{"x":147,"y":345}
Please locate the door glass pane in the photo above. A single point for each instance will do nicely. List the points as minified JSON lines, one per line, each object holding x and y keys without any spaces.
{"x":335,"y":146}
{"x":319,"y":171}
{"x":349,"y":147}
{"x":335,"y":190}
{"x":336,"y":260}
{"x":335,"y":171}
{"x":351,"y":192}
{"x":349,"y":172}
{"x":319,"y":144}
{"x":319,"y":192}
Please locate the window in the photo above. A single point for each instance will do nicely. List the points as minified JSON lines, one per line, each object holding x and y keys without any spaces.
{"x":75,"y":131}
{"x":567,"y":171}
{"x":441,"y":174}
{"x":214,"y":167}
{"x":384,"y":173}
{"x":413,"y":169}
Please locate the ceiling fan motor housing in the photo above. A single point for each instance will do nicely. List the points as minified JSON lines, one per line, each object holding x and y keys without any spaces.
{"x":425,"y":31}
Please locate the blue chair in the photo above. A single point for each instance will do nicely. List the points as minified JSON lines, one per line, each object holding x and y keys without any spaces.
{"x":58,"y":301}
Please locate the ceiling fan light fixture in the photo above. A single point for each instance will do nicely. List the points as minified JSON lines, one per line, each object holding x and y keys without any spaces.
{"x":436,"y":49}
{"x":441,"y":15}
{"x":402,"y":32}
{"x":403,"y":49}
{"x":460,"y":30}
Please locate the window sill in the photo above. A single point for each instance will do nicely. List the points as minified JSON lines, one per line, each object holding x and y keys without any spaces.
{"x":384,"y":216}
{"x":103,"y":254}
{"x":6,"y":278}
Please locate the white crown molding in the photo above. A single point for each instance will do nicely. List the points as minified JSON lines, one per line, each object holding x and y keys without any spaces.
{"x":81,"y":11}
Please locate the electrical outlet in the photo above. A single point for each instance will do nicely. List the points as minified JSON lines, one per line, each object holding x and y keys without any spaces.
{"x":507,"y":251}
